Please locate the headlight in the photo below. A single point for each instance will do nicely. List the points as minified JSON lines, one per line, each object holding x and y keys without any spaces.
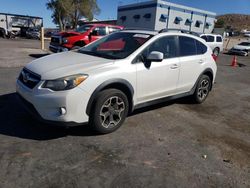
{"x":65,"y":83}
{"x":64,"y":40}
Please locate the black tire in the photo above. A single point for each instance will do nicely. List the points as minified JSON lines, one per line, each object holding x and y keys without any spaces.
{"x":109,"y":111}
{"x":216,"y":51}
{"x":202,"y":89}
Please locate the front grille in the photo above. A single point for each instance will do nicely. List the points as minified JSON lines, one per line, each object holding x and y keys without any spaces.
{"x":29,"y":78}
{"x":55,"y":40}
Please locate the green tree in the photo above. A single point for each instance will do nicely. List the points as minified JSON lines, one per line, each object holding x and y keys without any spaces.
{"x":70,"y":11}
{"x":59,"y":15}
{"x":220,"y":23}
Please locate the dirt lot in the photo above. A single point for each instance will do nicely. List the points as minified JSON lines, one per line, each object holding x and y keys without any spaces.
{"x":176,"y":144}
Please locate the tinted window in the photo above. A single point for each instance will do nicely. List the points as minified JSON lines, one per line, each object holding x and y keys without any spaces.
{"x":166,"y":45}
{"x":187,"y":46}
{"x":201,"y":48}
{"x":204,"y":37}
{"x":210,"y":38}
{"x":218,"y":39}
{"x":100,"y":31}
{"x":245,"y":44}
{"x":83,"y":29}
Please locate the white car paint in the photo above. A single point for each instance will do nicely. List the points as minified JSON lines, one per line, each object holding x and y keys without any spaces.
{"x":214,"y":44}
{"x":241,"y":47}
{"x":167,"y":78}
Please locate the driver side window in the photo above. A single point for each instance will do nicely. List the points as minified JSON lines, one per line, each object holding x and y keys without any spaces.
{"x":99,"y":31}
{"x":166,"y":45}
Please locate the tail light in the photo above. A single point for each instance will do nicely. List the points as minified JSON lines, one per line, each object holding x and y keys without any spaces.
{"x":214,"y":57}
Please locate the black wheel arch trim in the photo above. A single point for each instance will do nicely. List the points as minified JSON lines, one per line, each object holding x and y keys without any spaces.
{"x":106,"y":84}
{"x":203,"y":73}
{"x":80,"y":42}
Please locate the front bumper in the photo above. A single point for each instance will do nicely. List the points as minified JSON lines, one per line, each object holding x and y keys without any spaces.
{"x":57,"y":49}
{"x":45,"y":104}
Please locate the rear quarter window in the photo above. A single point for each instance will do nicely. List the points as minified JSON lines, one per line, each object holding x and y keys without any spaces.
{"x":187,"y":46}
{"x":218,"y":39}
{"x":201,"y":48}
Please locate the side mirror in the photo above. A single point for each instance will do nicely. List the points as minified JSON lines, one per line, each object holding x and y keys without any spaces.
{"x":155,"y":56}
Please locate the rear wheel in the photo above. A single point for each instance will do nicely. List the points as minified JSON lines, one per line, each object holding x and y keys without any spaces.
{"x":110,"y":111}
{"x":202,"y":89}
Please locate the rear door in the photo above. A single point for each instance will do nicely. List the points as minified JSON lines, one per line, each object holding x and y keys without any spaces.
{"x":192,"y":59}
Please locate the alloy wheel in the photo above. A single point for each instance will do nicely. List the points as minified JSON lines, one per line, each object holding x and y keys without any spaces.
{"x":203,"y":89}
{"x":112,"y":111}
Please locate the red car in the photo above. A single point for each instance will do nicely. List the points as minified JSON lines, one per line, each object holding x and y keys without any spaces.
{"x":83,"y":35}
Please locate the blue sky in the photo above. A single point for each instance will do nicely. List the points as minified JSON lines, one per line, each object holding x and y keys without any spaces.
{"x":109,"y":7}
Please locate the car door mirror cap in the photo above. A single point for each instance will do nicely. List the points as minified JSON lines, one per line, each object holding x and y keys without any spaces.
{"x":155,"y":56}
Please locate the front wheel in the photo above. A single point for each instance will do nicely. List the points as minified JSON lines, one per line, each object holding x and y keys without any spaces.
{"x":109,"y":111}
{"x":202,"y":89}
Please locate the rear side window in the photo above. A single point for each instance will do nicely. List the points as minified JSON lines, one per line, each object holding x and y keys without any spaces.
{"x":187,"y":46}
{"x":101,"y":31}
{"x":210,"y":38}
{"x":201,"y":48}
{"x":218,"y":39}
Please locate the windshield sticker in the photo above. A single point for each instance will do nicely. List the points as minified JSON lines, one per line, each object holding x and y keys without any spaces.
{"x":141,"y":36}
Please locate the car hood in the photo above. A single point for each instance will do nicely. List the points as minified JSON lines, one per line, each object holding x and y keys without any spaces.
{"x":67,"y":63}
{"x":69,"y":34}
{"x":240,"y":47}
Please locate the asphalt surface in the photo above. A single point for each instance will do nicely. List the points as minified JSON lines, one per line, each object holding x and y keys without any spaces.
{"x":175,"y":144}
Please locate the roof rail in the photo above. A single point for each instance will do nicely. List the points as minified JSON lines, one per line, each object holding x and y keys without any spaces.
{"x":179,"y":30}
{"x":139,"y":28}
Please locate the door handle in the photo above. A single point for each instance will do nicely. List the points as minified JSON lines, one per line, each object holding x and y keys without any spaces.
{"x":174,"y":66}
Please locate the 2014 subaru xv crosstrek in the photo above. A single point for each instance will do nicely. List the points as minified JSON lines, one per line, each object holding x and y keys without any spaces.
{"x":104,"y":81}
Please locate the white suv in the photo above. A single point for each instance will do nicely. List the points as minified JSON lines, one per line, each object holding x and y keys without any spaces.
{"x":214,"y":41}
{"x":104,"y":81}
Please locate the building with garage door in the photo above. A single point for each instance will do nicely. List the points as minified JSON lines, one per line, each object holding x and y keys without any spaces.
{"x":160,"y":14}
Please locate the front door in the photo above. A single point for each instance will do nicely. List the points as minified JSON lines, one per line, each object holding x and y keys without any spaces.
{"x":158,"y":79}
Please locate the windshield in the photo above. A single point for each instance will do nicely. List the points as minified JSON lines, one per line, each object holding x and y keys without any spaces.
{"x":83,"y":29}
{"x":245,"y":44}
{"x":116,"y":46}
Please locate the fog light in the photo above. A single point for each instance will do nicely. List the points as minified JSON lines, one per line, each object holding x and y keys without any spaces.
{"x":62,"y":110}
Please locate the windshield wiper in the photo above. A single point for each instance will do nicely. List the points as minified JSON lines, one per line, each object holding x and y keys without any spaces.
{"x":106,"y":56}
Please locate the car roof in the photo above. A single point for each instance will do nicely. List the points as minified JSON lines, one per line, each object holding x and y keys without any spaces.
{"x":210,"y":34}
{"x":151,"y":32}
{"x":100,"y":24}
{"x":140,"y":31}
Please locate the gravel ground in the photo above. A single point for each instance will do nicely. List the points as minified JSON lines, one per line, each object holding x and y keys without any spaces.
{"x":175,"y":144}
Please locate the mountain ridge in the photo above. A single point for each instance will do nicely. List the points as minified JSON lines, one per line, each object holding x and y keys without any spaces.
{"x":235,"y":21}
